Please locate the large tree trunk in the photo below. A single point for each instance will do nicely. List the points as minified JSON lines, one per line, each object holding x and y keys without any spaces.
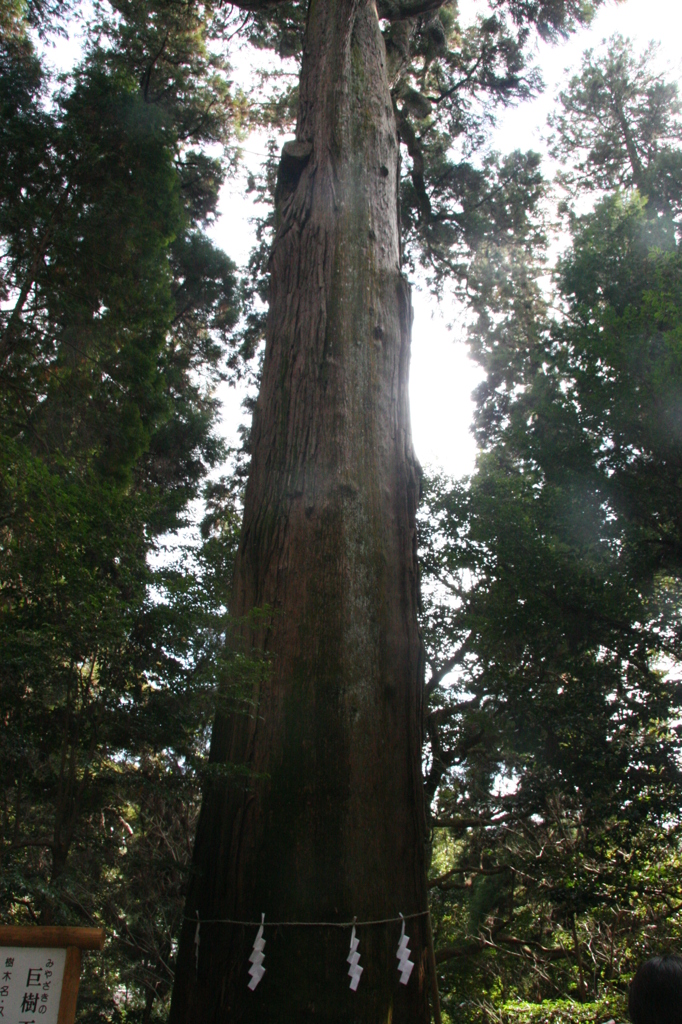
{"x":330,"y":825}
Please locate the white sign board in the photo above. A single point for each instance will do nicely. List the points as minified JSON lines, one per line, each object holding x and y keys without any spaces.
{"x":30,"y":984}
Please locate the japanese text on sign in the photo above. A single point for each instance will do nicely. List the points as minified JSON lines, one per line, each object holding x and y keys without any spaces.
{"x":30,"y":984}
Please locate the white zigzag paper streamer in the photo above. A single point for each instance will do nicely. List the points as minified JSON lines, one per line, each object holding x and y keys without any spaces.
{"x":256,"y":970}
{"x":355,"y":970}
{"x":405,"y":965}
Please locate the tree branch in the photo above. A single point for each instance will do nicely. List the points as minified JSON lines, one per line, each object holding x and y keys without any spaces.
{"x":9,"y":337}
{"x":485,"y":822}
{"x":527,"y":946}
{"x":401,"y":10}
{"x":409,"y":137}
{"x":254,"y":6}
{"x":438,"y":674}
{"x":466,"y":949}
{"x":45,"y":842}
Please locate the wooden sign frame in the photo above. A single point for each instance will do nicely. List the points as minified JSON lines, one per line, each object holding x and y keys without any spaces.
{"x":74,"y":940}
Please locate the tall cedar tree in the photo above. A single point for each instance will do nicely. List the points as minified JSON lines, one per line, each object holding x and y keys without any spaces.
{"x":330,"y":823}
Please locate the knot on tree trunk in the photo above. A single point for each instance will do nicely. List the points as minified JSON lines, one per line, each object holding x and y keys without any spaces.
{"x":295,"y":156}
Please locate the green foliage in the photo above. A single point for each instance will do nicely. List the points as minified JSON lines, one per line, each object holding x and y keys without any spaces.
{"x":169,"y":51}
{"x":553,"y":594}
{"x":619,"y":126}
{"x":552,"y":577}
{"x":12,"y":18}
{"x":118,"y":322}
{"x":555,"y":1011}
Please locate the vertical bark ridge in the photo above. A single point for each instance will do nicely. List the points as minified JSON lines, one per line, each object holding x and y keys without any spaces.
{"x":329,"y":822}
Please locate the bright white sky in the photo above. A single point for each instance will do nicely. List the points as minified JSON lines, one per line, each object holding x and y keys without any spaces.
{"x":442,"y":375}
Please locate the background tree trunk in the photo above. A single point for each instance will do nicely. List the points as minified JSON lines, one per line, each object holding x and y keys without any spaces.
{"x":331,"y":824}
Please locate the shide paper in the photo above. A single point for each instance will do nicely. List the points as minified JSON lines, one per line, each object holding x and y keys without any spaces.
{"x":405,"y":965}
{"x":256,"y":970}
{"x":355,"y":970}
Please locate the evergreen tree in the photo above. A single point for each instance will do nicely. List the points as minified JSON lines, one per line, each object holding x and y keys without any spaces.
{"x":117,"y":304}
{"x":118,"y":321}
{"x":331,"y":822}
{"x":560,"y":559}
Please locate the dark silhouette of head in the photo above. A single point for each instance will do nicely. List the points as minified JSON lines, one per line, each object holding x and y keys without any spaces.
{"x":656,"y":992}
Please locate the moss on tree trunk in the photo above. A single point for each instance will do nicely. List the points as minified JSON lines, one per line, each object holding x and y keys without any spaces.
{"x":331,"y":825}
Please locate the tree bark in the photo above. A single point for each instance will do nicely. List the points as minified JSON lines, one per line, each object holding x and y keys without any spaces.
{"x":330,"y":824}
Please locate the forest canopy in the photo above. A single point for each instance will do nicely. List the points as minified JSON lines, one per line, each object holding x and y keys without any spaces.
{"x":550,"y":577}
